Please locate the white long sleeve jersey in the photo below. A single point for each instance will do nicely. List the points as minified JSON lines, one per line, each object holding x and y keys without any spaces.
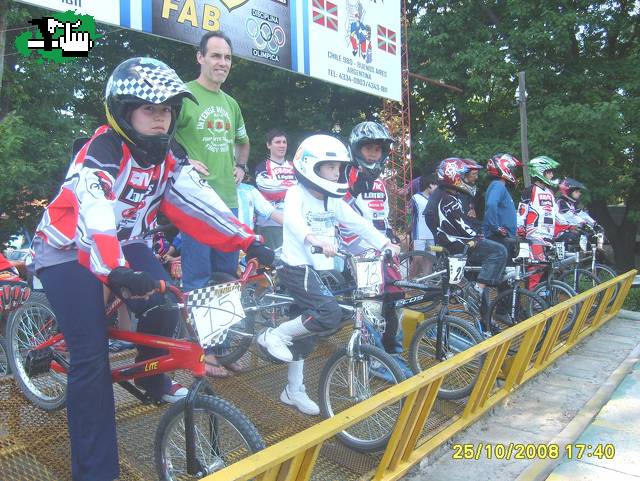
{"x":305,"y":214}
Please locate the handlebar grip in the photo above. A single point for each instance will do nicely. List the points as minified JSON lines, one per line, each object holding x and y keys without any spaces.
{"x":436,"y":249}
{"x":316,"y":250}
{"x":162,"y":286}
{"x":471,"y":244}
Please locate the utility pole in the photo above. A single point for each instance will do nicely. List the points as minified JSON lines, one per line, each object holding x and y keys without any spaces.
{"x":521,"y":98}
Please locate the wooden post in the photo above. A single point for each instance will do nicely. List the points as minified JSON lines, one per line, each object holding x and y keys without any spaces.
{"x":522,"y":101}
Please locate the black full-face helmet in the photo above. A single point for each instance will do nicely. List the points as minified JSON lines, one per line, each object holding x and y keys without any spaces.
{"x":140,"y":81}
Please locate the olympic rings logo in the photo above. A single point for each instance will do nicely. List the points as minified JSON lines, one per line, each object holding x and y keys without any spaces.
{"x":264,"y":36}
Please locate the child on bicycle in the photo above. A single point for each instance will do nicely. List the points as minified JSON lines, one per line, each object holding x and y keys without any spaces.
{"x":312,"y":210}
{"x":538,"y":216}
{"x":370,"y":145}
{"x":92,"y":234}
{"x":500,"y":217}
{"x":453,"y":228}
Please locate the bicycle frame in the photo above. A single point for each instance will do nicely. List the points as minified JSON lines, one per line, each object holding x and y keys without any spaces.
{"x":182,"y":354}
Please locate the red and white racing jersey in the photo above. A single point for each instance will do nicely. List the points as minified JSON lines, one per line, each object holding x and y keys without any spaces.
{"x":107,"y":198}
{"x":273,"y":180}
{"x":538,"y":213}
{"x":371,"y":202}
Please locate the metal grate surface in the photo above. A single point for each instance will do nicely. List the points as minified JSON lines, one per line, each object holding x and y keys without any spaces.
{"x":34,"y":444}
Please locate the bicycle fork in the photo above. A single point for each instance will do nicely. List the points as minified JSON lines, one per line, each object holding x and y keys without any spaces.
{"x":353,"y":357}
{"x":194,"y":466}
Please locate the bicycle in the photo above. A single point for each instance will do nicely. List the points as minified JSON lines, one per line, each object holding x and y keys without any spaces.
{"x":436,"y":340}
{"x":197,"y":435}
{"x":359,"y":370}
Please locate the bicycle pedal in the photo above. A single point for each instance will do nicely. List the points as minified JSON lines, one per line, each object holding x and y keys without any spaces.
{"x":38,"y":361}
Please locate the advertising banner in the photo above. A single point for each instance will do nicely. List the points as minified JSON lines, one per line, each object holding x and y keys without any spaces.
{"x":353,"y":43}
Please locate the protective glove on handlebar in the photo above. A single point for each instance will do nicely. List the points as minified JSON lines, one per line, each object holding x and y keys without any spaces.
{"x":502,"y":231}
{"x":261,"y":252}
{"x":138,"y":283}
{"x":13,"y":291}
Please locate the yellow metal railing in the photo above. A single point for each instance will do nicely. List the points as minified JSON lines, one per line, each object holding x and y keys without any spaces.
{"x":295,"y":457}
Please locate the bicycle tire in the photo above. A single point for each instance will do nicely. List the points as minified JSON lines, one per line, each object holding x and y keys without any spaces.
{"x":47,"y":391}
{"x":216,"y":414}
{"x":422,"y":354}
{"x":580,"y":280}
{"x":604,"y":273}
{"x":329,"y":405}
{"x":522,"y":311}
{"x":5,"y":369}
{"x":239,"y":336}
{"x":405,"y":260}
{"x":560,"y":291}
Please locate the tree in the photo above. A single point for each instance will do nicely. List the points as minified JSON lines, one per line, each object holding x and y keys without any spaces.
{"x":581,"y":60}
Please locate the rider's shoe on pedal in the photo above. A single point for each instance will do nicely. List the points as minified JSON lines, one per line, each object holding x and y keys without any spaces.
{"x":276,"y":345}
{"x":300,"y":400}
{"x":379,"y":370}
{"x":176,"y":393}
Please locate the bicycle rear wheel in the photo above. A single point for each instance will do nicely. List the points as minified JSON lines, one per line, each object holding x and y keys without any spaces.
{"x":224,"y":435}
{"x":511,"y":307}
{"x":28,"y":326}
{"x":558,"y":292}
{"x":373,"y":371}
{"x":457,"y":336}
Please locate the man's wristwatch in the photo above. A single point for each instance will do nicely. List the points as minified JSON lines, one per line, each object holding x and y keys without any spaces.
{"x":242,"y":166}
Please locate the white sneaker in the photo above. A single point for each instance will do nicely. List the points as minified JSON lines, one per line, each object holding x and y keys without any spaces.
{"x":300,"y":400}
{"x":276,"y":344}
{"x":176,"y":392}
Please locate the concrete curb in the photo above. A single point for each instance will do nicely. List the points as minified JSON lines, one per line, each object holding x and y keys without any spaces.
{"x":542,"y":469}
{"x":633,"y":315}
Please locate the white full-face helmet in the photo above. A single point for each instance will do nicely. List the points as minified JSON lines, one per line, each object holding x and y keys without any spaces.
{"x":311,"y":153}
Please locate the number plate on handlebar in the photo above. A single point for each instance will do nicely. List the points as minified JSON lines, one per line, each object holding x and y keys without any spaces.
{"x":456,"y":269}
{"x":213,"y":310}
{"x":559,"y":246}
{"x":369,"y":276}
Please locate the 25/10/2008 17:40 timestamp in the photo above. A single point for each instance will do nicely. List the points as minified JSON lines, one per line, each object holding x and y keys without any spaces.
{"x":529,"y":451}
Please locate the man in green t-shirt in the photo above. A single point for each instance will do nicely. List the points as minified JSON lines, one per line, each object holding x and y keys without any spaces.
{"x":215,"y":138}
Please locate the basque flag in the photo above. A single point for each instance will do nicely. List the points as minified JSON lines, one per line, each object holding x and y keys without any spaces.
{"x":325,"y":13}
{"x":387,"y":40}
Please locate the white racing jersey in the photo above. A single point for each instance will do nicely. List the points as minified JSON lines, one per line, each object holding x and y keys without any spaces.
{"x":538,"y":213}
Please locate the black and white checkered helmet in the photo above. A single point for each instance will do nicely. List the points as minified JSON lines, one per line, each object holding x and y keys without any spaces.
{"x":139,"y":81}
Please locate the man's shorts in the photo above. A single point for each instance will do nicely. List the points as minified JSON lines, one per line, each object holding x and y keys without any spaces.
{"x":422,"y":244}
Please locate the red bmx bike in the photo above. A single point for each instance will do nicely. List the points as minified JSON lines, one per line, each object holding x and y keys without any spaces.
{"x":198,"y":435}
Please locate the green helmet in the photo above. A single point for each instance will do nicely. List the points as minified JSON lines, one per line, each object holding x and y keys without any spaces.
{"x":539,"y":165}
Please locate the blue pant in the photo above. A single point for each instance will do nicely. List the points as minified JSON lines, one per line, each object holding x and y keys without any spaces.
{"x":199,"y":261}
{"x":76,"y":296}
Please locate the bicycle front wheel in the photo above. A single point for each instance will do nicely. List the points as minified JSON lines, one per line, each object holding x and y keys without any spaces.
{"x":29,"y":326}
{"x":346,"y":381}
{"x":224,"y":435}
{"x":457,"y":336}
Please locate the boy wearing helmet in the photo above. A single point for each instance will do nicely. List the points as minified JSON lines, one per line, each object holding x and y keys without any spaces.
{"x":312,"y":210}
{"x":370,"y":145}
{"x":92,"y":233}
{"x":538,"y":216}
{"x":570,"y":191}
{"x":500,"y":219}
{"x":453,"y":228}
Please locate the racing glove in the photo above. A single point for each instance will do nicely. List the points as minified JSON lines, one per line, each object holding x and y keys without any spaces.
{"x":261,"y":252}
{"x":124,"y":281}
{"x":13,"y":291}
{"x":502,"y":231}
